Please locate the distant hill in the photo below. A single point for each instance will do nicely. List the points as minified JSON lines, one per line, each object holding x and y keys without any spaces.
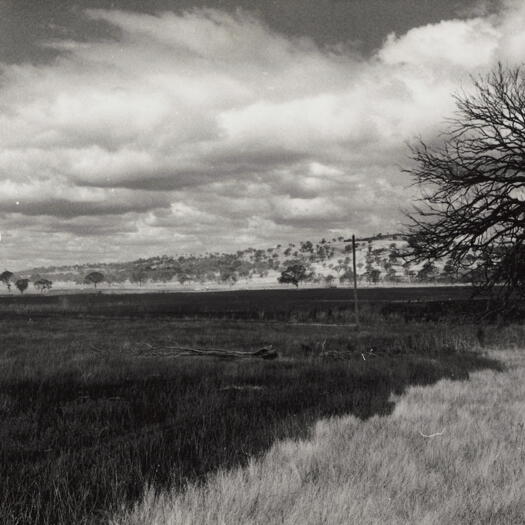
{"x":328,"y":261}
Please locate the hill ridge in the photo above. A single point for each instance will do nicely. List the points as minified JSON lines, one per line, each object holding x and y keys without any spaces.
{"x":379,"y":259}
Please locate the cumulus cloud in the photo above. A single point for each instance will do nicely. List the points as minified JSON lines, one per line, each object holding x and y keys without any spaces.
{"x":459,"y":43}
{"x":210,"y":130}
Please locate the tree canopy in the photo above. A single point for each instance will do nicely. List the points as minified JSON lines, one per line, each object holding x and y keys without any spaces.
{"x":139,"y":276}
{"x":293,"y":274}
{"x":22,"y":285}
{"x":94,"y":278}
{"x":43,"y":284}
{"x":472,"y":208}
{"x":6,"y":277}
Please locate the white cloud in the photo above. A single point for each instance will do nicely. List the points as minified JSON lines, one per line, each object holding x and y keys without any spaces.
{"x":451,"y":43}
{"x":204,"y":125}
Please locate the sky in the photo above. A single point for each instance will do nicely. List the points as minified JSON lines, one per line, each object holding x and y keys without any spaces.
{"x":207,"y":125}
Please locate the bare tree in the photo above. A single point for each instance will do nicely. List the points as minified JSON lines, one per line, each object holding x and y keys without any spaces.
{"x":473,"y":187}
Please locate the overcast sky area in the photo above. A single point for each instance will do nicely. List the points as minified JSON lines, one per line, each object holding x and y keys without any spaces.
{"x":194,"y":126}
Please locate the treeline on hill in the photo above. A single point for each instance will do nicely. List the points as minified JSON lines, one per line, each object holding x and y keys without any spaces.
{"x":328,"y":262}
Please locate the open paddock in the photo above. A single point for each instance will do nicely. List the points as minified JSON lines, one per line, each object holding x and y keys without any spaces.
{"x":91,"y":418}
{"x":332,"y":305}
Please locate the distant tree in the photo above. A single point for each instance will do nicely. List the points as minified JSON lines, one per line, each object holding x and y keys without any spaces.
{"x":94,"y":278}
{"x":6,"y":277}
{"x":165,"y":275}
{"x":228,"y":275}
{"x":22,"y":284}
{"x":391,"y":275}
{"x":307,"y":246}
{"x":408,"y":271}
{"x":347,"y":276}
{"x":373,"y":275}
{"x":294,"y":274}
{"x":427,"y":273}
{"x":394,"y":254}
{"x":329,"y":280}
{"x":450,"y":271}
{"x":138,"y":276}
{"x":182,"y":278}
{"x":244,"y":269}
{"x":42,"y":284}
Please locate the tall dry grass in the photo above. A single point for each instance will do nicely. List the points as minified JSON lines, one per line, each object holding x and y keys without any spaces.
{"x":383,"y":470}
{"x":86,"y":424}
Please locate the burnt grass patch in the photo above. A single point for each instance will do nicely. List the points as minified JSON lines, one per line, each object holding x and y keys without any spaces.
{"x":83,"y":432}
{"x":332,"y":305}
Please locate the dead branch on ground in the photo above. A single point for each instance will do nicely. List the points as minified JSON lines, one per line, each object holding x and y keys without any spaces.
{"x":147,"y":350}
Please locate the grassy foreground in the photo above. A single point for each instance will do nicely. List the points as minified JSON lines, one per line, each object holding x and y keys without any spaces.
{"x":87,"y":424}
{"x":92,"y":423}
{"x":382,"y":470}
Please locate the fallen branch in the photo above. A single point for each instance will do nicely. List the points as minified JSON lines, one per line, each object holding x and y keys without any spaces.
{"x":432,"y":435}
{"x":174,"y":351}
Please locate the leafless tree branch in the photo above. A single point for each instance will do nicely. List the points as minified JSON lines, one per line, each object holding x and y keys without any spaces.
{"x":472,"y":208}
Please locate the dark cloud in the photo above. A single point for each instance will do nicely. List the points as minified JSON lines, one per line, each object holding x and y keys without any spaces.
{"x":365,"y":23}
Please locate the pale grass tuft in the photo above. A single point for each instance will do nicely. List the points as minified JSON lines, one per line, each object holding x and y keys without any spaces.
{"x":380,"y":471}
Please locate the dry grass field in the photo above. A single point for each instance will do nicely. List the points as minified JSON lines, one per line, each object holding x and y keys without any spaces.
{"x":450,"y":453}
{"x":97,"y":423}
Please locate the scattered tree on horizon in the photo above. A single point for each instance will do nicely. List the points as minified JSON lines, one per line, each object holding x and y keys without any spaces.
{"x":427,"y":273}
{"x":347,"y":276}
{"x":22,"y":285}
{"x":373,"y":275}
{"x":138,"y":276}
{"x":6,"y":277}
{"x":228,"y":275}
{"x":473,"y":187}
{"x":329,"y":280}
{"x":247,"y":264}
{"x":293,"y":274}
{"x":43,"y":285}
{"x":94,"y":278}
{"x":450,"y":272}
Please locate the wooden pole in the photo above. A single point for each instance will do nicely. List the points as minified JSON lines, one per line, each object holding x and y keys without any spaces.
{"x":354,"y":264}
